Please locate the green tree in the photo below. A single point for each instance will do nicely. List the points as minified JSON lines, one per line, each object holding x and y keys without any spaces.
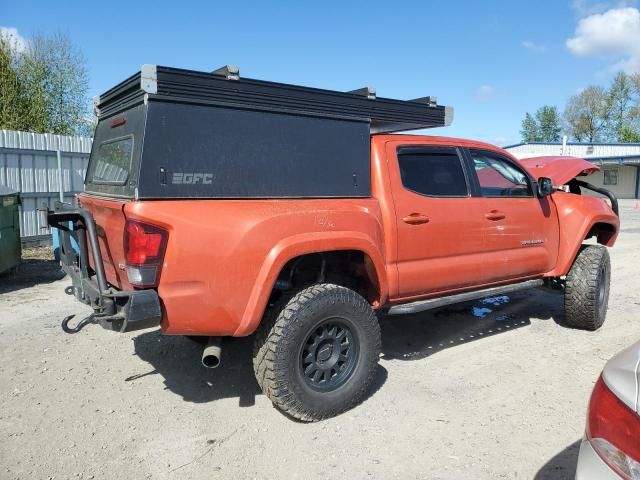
{"x":622,"y":108}
{"x":45,"y":87}
{"x":10,"y":87}
{"x":35,"y":110}
{"x":634,"y":112}
{"x":545,"y":126}
{"x":530,"y":131}
{"x":549,"y":123}
{"x":628,"y":135}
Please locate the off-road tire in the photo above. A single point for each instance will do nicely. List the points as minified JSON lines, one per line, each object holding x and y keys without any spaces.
{"x":283,"y":339}
{"x":586,"y":294}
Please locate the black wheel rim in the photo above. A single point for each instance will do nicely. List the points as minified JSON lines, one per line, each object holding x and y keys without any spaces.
{"x":329,"y":355}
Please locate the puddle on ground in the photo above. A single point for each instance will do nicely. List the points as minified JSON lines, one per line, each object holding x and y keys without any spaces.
{"x":480,"y":312}
{"x":495,"y":301}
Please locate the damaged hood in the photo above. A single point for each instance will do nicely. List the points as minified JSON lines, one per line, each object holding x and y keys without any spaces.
{"x":559,"y":169}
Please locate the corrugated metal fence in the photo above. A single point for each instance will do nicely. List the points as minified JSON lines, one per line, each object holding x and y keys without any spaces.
{"x":44,"y":168}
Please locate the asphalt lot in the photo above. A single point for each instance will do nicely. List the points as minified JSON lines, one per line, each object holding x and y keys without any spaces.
{"x":481,"y":390}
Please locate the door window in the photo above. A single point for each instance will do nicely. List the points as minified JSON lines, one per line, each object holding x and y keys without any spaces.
{"x":434,"y":173}
{"x":500,"y":178}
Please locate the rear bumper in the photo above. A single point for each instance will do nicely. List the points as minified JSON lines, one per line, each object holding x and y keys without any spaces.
{"x":591,"y":466}
{"x":118,"y":310}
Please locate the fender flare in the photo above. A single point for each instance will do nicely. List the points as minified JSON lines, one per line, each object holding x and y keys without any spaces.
{"x":568,"y":251}
{"x":303,"y":244}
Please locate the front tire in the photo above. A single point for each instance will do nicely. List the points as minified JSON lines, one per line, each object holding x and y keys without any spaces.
{"x":316,"y":353}
{"x":586,"y":293}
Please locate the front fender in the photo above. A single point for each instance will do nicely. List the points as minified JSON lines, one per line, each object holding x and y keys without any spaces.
{"x":577,"y":214}
{"x":303,"y":244}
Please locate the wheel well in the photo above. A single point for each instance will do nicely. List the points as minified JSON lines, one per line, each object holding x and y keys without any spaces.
{"x":349,"y":268}
{"x":602,"y":231}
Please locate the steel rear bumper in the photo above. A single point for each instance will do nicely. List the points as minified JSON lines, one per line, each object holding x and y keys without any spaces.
{"x":119,"y":310}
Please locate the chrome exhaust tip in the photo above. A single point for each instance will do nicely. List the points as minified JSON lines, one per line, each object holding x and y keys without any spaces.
{"x":212,"y":353}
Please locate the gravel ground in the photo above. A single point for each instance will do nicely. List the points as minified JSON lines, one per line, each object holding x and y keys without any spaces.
{"x":475,"y":391}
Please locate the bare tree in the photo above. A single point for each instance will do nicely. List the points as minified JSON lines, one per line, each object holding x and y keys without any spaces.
{"x":587,"y":114}
{"x":65,"y":81}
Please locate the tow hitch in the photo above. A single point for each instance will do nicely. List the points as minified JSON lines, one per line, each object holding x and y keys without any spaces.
{"x":81,"y":324}
{"x":119,"y":310}
{"x":94,"y":318}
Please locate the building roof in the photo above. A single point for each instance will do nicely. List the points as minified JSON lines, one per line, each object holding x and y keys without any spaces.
{"x":596,"y":152}
{"x":613,"y":144}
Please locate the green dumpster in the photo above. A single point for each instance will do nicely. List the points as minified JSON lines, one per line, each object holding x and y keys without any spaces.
{"x":10,"y":251}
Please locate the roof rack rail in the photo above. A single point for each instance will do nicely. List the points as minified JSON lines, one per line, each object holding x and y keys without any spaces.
{"x":230,"y":72}
{"x":369,"y":92}
{"x":225,"y":88}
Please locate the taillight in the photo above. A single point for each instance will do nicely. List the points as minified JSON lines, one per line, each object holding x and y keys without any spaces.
{"x":614,"y":432}
{"x":144,"y":247}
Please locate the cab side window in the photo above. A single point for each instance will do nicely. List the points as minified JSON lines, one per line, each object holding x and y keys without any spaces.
{"x":500,"y":178}
{"x":434,"y":172}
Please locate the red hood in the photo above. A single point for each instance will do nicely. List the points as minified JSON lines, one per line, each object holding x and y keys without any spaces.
{"x":559,"y":169}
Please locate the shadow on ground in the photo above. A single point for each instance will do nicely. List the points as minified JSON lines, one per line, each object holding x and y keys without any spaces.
{"x":406,"y":337}
{"x":562,"y":466}
{"x":30,"y":272}
{"x":417,"y":336}
{"x":177,"y":359}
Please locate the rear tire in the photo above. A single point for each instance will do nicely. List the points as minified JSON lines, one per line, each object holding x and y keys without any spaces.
{"x":316,"y":353}
{"x":586,"y":293}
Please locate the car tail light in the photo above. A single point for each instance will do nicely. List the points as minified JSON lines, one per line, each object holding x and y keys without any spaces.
{"x":614,"y":432}
{"x":144,"y":247}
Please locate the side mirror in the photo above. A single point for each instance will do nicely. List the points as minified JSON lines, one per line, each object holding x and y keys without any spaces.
{"x":545,"y":187}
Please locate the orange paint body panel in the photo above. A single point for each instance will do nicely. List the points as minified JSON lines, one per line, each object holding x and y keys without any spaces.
{"x":223,"y":257}
{"x":577,"y":214}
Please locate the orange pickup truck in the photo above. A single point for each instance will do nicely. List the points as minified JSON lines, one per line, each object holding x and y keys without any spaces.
{"x":219,"y":206}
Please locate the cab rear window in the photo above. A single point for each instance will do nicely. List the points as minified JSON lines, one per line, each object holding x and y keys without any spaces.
{"x":113,"y":161}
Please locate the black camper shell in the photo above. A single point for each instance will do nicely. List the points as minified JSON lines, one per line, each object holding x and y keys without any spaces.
{"x":172,"y":133}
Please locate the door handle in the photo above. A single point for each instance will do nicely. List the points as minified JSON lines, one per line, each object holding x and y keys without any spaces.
{"x":495,"y":215}
{"x":416,"y":219}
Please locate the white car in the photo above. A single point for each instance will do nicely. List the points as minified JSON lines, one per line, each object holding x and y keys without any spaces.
{"x":611,"y":447}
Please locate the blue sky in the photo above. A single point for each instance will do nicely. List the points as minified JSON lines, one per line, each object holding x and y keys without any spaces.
{"x":491,"y":60}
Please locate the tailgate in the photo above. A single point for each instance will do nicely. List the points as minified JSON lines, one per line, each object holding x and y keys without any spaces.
{"x":110,"y":224}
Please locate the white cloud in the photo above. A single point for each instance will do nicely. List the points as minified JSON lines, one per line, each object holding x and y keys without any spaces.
{"x":16,"y":40}
{"x":484,"y":93}
{"x":533,"y":46}
{"x":614,"y":34}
